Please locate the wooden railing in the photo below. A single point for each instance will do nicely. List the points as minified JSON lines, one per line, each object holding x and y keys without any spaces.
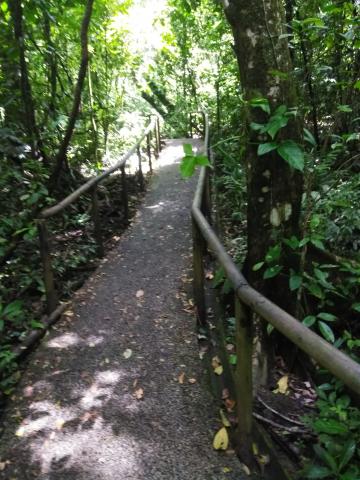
{"x":152,"y":132}
{"x":248,"y":300}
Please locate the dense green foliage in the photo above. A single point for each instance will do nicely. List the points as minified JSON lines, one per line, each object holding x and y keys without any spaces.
{"x":191,"y":66}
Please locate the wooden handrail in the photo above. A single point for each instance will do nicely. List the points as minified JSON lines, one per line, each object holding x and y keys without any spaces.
{"x":49,"y":212}
{"x":325,"y":354}
{"x":91,"y":185}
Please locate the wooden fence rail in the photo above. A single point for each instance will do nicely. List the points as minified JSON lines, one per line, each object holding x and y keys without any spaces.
{"x":152,"y":137}
{"x":248,"y":299}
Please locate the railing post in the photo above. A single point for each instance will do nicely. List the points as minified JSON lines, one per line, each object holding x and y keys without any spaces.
{"x":156,"y":149}
{"x":159,"y":133}
{"x":148,"y":148}
{"x":95,"y":213}
{"x":243,"y":381}
{"x":199,"y":274}
{"x":44,"y":242}
{"x":141,"y":175}
{"x":190,"y":126}
{"x":124,"y":193}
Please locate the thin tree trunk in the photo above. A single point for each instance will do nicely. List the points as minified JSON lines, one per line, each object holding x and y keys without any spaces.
{"x":60,"y":158}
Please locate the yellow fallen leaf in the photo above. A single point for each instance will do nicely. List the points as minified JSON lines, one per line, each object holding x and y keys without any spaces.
{"x":227,"y":470}
{"x":139,"y":394}
{"x":283,"y":385}
{"x":221,"y":439}
{"x":215,"y":362}
{"x":224,"y":419}
{"x":20,"y":432}
{"x":219,"y":370}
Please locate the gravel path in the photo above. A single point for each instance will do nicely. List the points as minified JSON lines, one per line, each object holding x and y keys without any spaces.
{"x":101,"y":397}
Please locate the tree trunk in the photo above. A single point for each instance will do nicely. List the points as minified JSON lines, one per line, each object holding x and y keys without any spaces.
{"x":60,"y":158}
{"x":274,"y":188}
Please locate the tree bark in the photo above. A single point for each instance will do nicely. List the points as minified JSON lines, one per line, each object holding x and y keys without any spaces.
{"x":274,"y":188}
{"x":60,"y":158}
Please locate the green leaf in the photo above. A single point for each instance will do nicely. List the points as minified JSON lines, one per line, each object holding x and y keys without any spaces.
{"x":266,"y":148}
{"x":357,"y":85}
{"x":272,"y":272}
{"x":275,"y":124}
{"x":233,"y":359}
{"x":356,"y":307}
{"x":292,"y":242}
{"x":262,"y":103}
{"x":330,"y":426}
{"x":328,"y":317}
{"x":315,"y":471}
{"x":36,"y":324}
{"x":309,"y":137}
{"x":187,"y":167}
{"x":273,"y":254}
{"x":257,"y":126}
{"x":295,"y":282}
{"x":344,"y":108}
{"x":4,"y":7}
{"x":318,"y":243}
{"x":309,"y":320}
{"x":347,"y":453}
{"x":257,"y":266}
{"x":188,"y":150}
{"x":270,"y":328}
{"x":326,"y":457}
{"x":292,"y":154}
{"x":202,"y":160}
{"x":326,"y":332}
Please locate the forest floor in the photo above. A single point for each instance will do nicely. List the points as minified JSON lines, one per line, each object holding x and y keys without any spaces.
{"x":117,"y":389}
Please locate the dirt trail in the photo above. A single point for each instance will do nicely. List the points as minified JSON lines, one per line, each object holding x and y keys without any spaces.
{"x":75,"y":410}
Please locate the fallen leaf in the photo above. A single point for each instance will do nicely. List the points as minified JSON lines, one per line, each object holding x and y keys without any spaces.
{"x":192,"y":380}
{"x":224,"y":419}
{"x":283,"y":385}
{"x":181,"y":377}
{"x":245,"y":469}
{"x":227,"y":470}
{"x":230,"y":404}
{"x":20,"y":432}
{"x":209,"y":275}
{"x":225,"y":393}
{"x":127,"y":354}
{"x":140,"y":293}
{"x":139,"y":394}
{"x":219,"y":370}
{"x":221,"y":439}
{"x":215,"y":362}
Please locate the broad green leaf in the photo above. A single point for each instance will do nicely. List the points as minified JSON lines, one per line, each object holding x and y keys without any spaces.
{"x":262,"y":103}
{"x":4,"y":6}
{"x":330,"y":426}
{"x":295,"y":282}
{"x":357,"y":85}
{"x":273,"y":254}
{"x":328,"y":317}
{"x":266,"y":148}
{"x":187,"y":167}
{"x":257,"y":266}
{"x":325,"y":457}
{"x":272,"y":272}
{"x":309,"y":320}
{"x":292,"y":242}
{"x":257,"y":126}
{"x":308,"y":137}
{"x":318,"y":243}
{"x":347,"y":453}
{"x":356,"y":307}
{"x":188,"y":150}
{"x":202,"y":160}
{"x":233,"y":359}
{"x":316,"y":471}
{"x":326,"y":332}
{"x":275,"y":124}
{"x":292,"y":154}
{"x":344,"y":108}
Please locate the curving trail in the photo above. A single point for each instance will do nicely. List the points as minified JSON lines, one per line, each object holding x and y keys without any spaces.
{"x":75,"y":410}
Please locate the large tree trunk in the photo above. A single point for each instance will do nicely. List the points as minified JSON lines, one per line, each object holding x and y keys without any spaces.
{"x":274,"y":188}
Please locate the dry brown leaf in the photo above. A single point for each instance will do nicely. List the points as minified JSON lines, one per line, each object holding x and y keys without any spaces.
{"x":230,"y":404}
{"x":181,"y":377}
{"x":139,"y":394}
{"x":225,"y":393}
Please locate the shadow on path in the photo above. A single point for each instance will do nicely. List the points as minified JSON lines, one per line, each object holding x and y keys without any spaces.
{"x":75,"y":414}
